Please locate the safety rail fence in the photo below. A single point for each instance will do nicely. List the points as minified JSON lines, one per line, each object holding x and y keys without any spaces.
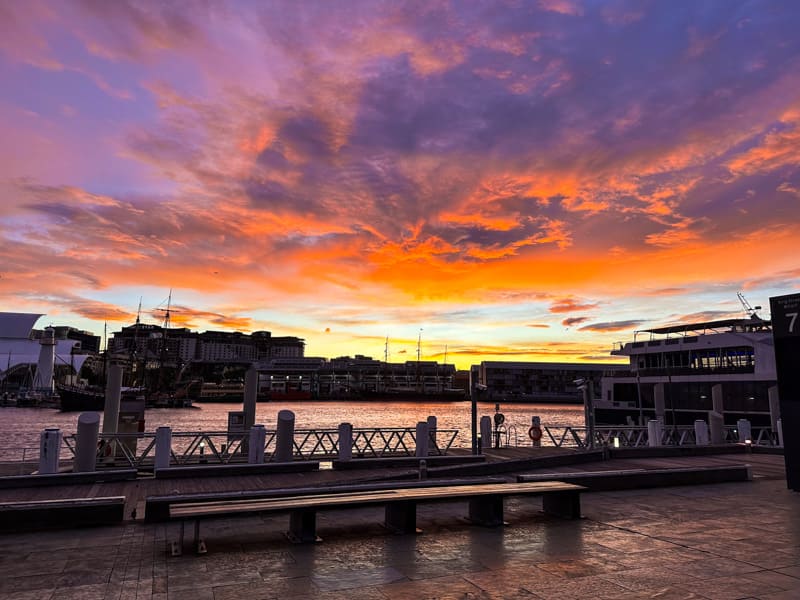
{"x":567,"y":436}
{"x":138,"y":450}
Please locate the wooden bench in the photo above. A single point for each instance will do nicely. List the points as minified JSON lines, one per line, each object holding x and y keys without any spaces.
{"x":68,"y":512}
{"x":485,"y":506}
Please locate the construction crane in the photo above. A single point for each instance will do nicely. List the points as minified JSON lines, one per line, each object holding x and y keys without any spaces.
{"x":749,"y":310}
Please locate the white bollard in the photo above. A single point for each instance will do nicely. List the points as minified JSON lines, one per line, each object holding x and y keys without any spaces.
{"x":86,"y":442}
{"x":701,"y":433}
{"x":745,"y":430}
{"x":422,"y":439}
{"x":163,"y":447}
{"x":49,"y":448}
{"x":655,"y":432}
{"x":255,"y":449}
{"x":345,"y":441}
{"x":284,"y":436}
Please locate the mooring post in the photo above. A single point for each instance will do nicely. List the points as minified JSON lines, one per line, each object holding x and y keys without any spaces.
{"x":422,"y":439}
{"x":163,"y":447}
{"x":432,"y":447}
{"x":655,"y":431}
{"x":486,"y":432}
{"x":86,"y":438}
{"x":701,"y":433}
{"x":255,"y":450}
{"x":284,"y":436}
{"x":345,"y":441}
{"x":716,"y":422}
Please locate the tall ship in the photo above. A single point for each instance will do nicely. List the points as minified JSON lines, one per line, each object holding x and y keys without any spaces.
{"x":673,"y":370}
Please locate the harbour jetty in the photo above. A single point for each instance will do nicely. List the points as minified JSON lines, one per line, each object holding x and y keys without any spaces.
{"x":646,"y":541}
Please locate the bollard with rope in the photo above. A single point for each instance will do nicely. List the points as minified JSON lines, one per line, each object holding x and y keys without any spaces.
{"x":535,"y":432}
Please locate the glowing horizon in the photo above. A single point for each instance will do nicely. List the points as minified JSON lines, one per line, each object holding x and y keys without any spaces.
{"x":527,"y":180}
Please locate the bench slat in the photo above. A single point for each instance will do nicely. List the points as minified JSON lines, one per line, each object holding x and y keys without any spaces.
{"x":201,"y":509}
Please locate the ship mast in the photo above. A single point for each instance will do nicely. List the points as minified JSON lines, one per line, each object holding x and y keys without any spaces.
{"x":419,"y":343}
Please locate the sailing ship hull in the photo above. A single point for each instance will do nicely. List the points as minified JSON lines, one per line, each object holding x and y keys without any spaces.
{"x":75,"y":399}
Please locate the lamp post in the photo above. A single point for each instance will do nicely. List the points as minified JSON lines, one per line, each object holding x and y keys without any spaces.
{"x":585,"y":386}
{"x":477,"y":387}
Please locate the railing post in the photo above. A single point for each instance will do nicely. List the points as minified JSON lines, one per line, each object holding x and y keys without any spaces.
{"x":86,"y":438}
{"x":163,"y":447}
{"x":345,"y":441}
{"x":422,"y":439}
{"x":779,"y":427}
{"x":284,"y":436}
{"x":255,"y":450}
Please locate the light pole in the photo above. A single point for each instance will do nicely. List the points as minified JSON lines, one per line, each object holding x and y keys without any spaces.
{"x":585,"y":386}
{"x":477,"y":387}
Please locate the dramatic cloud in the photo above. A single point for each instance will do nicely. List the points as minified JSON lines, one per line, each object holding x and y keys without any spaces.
{"x":572,"y":321}
{"x":566,"y":305}
{"x":490,"y":172}
{"x":612,"y":326}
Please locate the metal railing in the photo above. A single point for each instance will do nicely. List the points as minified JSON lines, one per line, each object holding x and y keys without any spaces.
{"x":137,"y":450}
{"x":567,"y":436}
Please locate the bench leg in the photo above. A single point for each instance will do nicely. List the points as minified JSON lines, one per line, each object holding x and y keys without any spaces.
{"x":303,"y":526}
{"x":176,"y":548}
{"x":486,"y":510}
{"x":401,"y":517}
{"x":199,"y":544}
{"x":566,"y":505}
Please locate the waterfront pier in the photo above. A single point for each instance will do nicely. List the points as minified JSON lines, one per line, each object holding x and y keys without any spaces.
{"x":695,"y":541}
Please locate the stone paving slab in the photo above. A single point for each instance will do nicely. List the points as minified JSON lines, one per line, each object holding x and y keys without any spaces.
{"x":713,"y":542}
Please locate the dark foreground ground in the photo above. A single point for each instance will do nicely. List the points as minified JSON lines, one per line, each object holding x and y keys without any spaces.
{"x":723,"y":541}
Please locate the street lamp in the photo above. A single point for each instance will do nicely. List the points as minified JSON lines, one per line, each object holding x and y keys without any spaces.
{"x":478,"y":387}
{"x":585,"y":386}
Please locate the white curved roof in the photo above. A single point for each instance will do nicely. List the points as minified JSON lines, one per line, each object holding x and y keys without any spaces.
{"x":16,"y":347}
{"x":17,"y":325}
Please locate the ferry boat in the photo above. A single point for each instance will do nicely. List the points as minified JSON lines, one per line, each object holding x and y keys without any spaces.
{"x":682,"y":363}
{"x":225,"y":391}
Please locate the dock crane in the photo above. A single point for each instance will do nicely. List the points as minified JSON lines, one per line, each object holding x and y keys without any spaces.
{"x":749,"y":310}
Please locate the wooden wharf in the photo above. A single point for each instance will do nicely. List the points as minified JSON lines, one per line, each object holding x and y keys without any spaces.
{"x":504,"y":462}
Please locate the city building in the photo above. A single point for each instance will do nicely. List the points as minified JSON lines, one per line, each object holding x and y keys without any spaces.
{"x":539,"y":382}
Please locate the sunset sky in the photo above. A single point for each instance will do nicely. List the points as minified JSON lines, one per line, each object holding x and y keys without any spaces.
{"x":520,"y":180}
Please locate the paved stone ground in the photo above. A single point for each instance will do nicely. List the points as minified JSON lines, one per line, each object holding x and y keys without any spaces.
{"x":720,"y":542}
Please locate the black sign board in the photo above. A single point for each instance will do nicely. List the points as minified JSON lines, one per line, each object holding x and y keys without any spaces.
{"x":785,"y":315}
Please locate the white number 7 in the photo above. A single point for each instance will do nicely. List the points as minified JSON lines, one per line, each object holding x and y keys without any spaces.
{"x":793,"y":318}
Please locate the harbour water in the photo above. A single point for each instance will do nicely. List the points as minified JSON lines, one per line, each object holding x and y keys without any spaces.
{"x":20,"y":427}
